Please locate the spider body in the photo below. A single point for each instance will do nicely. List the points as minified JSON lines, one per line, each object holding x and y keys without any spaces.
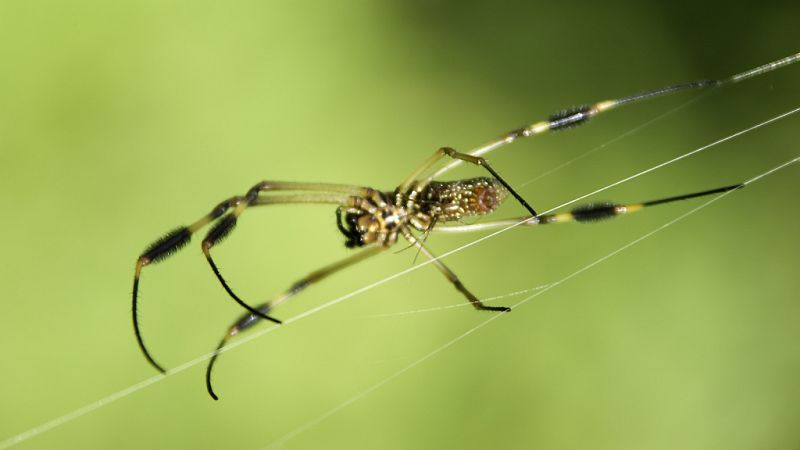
{"x":372,"y":220}
{"x":380,"y":217}
{"x":452,"y":201}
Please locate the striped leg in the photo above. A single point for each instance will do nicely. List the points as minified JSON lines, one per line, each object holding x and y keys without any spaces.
{"x":581,"y":114}
{"x":591,"y":212}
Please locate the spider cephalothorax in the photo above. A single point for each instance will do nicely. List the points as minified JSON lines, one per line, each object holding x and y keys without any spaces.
{"x":359,"y":227}
{"x":371,"y":220}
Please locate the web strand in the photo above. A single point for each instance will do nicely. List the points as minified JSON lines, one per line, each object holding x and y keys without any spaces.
{"x":130,"y":390}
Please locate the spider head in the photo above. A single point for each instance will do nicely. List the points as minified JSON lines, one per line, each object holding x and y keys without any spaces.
{"x":359,"y":228}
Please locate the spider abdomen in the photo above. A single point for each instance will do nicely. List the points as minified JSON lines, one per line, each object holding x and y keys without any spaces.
{"x":453,"y":200}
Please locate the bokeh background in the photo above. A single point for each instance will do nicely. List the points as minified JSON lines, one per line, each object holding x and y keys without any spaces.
{"x":121,"y":120}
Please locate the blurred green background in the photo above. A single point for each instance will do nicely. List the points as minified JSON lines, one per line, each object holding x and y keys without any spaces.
{"x":121,"y":120}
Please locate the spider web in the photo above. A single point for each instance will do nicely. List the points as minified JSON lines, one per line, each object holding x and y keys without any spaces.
{"x":539,"y":291}
{"x":134,"y":388}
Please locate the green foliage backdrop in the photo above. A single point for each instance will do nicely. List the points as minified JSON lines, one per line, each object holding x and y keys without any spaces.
{"x":120,"y":120}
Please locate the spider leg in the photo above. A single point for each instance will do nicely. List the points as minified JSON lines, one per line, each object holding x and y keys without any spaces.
{"x":424,"y":237}
{"x":478,"y":161}
{"x":226,"y":224}
{"x":176,"y":239}
{"x":248,"y":320}
{"x":578,"y":115}
{"x":591,"y":212}
{"x":452,"y":276}
{"x":163,"y":248}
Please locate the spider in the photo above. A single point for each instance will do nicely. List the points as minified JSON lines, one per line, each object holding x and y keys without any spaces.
{"x":372,"y":220}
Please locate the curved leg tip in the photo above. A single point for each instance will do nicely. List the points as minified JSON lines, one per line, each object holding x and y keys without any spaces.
{"x":150,"y":359}
{"x":210,"y":389}
{"x":496,"y":308}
